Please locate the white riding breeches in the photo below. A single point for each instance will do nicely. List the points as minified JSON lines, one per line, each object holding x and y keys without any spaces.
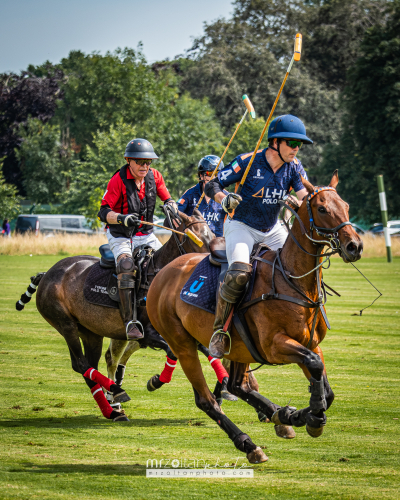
{"x":240,"y":239}
{"x":119,"y":246}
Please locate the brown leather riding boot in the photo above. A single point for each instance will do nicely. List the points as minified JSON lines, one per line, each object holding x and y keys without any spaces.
{"x":236,"y":279}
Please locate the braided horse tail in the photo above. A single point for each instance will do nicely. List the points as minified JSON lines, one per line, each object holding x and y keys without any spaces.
{"x":26,"y":297}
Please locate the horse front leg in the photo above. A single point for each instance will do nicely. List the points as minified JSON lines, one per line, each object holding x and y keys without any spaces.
{"x":117,"y":356}
{"x":243,"y":384}
{"x":287,"y":350}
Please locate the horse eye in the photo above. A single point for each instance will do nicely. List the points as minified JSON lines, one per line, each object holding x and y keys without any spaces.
{"x":322,"y":210}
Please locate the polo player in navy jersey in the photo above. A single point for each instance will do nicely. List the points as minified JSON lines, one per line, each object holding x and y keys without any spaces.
{"x":212,"y":212}
{"x":274,"y":172}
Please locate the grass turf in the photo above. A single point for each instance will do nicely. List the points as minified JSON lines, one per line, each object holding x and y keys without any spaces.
{"x":55,"y":444}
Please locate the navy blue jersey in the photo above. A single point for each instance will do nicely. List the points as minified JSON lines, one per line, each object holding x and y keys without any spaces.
{"x":262,"y":189}
{"x":212,"y":211}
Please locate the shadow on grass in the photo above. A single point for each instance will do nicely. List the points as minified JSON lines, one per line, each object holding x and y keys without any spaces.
{"x":89,"y":421}
{"x":107,"y":469}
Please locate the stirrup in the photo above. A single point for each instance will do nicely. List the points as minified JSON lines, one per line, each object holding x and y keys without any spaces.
{"x":139,"y":326}
{"x":219,"y":331}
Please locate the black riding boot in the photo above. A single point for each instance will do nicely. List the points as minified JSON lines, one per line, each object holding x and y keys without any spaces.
{"x":236,"y":279}
{"x":126,"y":283}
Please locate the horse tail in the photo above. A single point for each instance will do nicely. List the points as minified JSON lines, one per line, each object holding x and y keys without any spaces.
{"x":26,"y":297}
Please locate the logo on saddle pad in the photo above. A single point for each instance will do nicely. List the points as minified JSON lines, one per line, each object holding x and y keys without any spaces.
{"x":195,"y":287}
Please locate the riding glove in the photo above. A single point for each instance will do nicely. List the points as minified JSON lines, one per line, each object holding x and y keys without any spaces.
{"x":230,"y":202}
{"x":130,"y":220}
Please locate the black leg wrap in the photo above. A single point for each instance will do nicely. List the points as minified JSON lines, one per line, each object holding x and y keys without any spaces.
{"x":119,"y":376}
{"x":203,"y":350}
{"x":314,"y":421}
{"x":217,"y":393}
{"x":298,"y":418}
{"x":257,"y":401}
{"x":317,"y":399}
{"x":261,"y":416}
{"x":171,"y":355}
{"x":244,"y":443}
{"x":284,"y":415}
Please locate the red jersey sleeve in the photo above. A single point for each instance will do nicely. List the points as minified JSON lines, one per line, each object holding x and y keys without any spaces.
{"x":162,"y":191}
{"x":113,"y":195}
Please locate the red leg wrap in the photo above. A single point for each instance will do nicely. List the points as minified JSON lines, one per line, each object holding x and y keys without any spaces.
{"x":96,"y":376}
{"x":220,"y":371}
{"x":104,"y":405}
{"x":169,"y":368}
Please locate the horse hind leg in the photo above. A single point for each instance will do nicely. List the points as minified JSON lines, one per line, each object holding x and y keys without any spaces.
{"x":205,"y":401}
{"x":244,"y":385}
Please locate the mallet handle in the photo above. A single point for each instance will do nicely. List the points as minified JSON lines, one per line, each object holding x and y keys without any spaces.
{"x":296,"y":54}
{"x":187,"y":232}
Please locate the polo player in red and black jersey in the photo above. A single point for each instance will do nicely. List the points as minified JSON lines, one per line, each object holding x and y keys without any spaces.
{"x":131,"y":197}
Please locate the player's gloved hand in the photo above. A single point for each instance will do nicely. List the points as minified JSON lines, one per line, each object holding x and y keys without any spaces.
{"x":130,"y":220}
{"x":173,"y":205}
{"x":230,"y":202}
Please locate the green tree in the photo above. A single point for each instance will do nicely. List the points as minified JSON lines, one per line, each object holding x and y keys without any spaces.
{"x":44,"y":161}
{"x":9,"y":200}
{"x":371,"y":124}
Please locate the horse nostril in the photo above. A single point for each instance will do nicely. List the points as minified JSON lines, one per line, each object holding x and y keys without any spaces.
{"x":351,"y":247}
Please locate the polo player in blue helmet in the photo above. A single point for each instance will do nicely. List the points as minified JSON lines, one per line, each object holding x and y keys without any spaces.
{"x":253,"y":216}
{"x":212,"y":212}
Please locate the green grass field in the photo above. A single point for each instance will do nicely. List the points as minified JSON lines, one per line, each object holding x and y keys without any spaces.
{"x":56,"y":445}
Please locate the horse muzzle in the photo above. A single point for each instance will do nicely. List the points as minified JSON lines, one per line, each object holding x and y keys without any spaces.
{"x":352,"y":250}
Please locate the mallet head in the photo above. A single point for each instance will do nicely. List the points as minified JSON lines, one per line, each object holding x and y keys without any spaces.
{"x":249,"y":106}
{"x":297,"y":47}
{"x":194,"y":238}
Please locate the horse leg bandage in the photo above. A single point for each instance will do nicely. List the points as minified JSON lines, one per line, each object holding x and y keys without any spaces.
{"x":220,"y":371}
{"x":99,"y":397}
{"x":96,"y":376}
{"x":166,"y":374}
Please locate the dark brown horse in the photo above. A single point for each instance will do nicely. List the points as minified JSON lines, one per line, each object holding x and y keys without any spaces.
{"x":60,"y":300}
{"x":281,"y":330}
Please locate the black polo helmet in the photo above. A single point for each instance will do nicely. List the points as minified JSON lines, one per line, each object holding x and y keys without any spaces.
{"x":141,"y":149}
{"x":208,"y":164}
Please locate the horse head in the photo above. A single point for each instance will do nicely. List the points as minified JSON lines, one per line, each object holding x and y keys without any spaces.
{"x":197,"y":225}
{"x":329,"y":218}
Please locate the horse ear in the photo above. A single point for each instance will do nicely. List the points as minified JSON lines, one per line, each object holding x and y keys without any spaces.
{"x":197,"y":213}
{"x":335,"y":179}
{"x":307,"y":184}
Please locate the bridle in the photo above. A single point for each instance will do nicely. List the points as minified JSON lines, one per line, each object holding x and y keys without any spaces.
{"x":185,"y":238}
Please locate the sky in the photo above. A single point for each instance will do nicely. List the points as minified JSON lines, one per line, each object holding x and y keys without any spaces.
{"x":33,"y":31}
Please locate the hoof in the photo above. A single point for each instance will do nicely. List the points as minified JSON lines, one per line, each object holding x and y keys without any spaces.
{"x":275,"y":418}
{"x":228,"y":396}
{"x":284,"y":431}
{"x":154,"y":383}
{"x":257,"y":456}
{"x":121,"y":418}
{"x":313,"y":432}
{"x":121,"y":397}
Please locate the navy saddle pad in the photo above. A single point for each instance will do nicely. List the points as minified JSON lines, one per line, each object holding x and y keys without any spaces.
{"x":201,"y":288}
{"x":96,"y":284}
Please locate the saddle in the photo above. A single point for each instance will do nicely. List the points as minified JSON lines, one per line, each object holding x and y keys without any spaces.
{"x":104,"y":277}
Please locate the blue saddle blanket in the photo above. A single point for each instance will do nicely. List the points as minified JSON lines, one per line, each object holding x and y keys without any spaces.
{"x":201,"y":288}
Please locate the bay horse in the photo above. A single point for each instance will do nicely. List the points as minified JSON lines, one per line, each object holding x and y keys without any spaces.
{"x":60,"y":300}
{"x":280,"y":329}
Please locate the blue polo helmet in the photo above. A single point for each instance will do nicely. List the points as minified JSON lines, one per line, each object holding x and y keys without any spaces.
{"x":208,"y":164}
{"x":288,"y":127}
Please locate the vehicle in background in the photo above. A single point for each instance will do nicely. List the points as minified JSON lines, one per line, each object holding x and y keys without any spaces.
{"x":44,"y":223}
{"x":358,"y":229}
{"x":393,"y":225}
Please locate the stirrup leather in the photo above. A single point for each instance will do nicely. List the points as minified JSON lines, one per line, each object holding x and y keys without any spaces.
{"x":219,"y":331}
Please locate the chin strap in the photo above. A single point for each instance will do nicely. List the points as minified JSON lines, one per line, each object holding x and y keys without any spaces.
{"x":278,"y":151}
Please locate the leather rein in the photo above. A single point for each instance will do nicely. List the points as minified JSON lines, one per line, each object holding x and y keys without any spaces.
{"x":332,"y":240}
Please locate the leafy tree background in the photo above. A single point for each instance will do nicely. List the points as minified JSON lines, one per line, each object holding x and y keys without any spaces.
{"x":64,"y":127}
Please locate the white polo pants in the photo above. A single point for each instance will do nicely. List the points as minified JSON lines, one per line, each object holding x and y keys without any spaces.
{"x":119,"y":246}
{"x":241,"y":238}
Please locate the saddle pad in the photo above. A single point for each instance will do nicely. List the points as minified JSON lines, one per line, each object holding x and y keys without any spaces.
{"x":201,"y":288}
{"x":95,"y":287}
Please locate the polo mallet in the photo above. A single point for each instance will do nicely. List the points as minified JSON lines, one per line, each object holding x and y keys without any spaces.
{"x":249,"y":109}
{"x":296,"y":57}
{"x":187,"y":232}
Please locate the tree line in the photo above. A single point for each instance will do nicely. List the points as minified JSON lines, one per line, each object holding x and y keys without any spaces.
{"x":64,"y":127}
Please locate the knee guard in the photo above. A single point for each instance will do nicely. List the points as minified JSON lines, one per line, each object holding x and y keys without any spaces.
{"x":126,"y":271}
{"x":236,"y":279}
